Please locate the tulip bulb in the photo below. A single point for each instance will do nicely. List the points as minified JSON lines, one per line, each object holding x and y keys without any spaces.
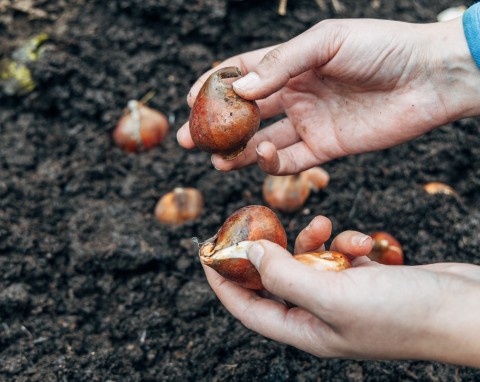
{"x":221,"y":122}
{"x":325,"y":260}
{"x":386,"y":249}
{"x":226,"y":252}
{"x":288,"y":193}
{"x":140,"y":128}
{"x":179,"y":206}
{"x":433,"y":188}
{"x":317,"y":177}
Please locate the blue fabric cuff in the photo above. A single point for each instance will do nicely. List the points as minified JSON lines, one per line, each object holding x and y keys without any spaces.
{"x":471,"y":28}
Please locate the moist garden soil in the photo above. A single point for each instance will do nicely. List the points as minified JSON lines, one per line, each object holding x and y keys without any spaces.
{"x":92,"y":287}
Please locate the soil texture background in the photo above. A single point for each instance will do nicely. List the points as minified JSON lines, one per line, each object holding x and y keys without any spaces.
{"x":92,"y":287}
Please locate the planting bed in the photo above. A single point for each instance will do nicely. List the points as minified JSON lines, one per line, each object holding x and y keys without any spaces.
{"x":92,"y":287}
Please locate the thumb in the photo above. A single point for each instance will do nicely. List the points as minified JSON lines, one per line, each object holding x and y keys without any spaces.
{"x":309,"y":50}
{"x":286,"y":277}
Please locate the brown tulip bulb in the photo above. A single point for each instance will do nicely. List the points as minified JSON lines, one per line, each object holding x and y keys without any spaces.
{"x":222,"y":122}
{"x":179,"y":206}
{"x":288,"y":193}
{"x":386,"y":249}
{"x":226,"y":252}
{"x":318,"y":178}
{"x":325,"y":260}
{"x":140,"y":128}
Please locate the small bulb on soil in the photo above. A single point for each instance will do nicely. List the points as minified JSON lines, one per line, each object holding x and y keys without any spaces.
{"x":140,"y":128}
{"x":288,"y":193}
{"x":438,"y":188}
{"x":179,"y":206}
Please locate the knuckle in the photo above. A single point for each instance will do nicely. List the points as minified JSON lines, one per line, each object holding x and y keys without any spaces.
{"x":273,"y":57}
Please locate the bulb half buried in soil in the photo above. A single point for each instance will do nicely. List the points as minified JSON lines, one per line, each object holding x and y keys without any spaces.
{"x":221,"y":122}
{"x":226,"y":252}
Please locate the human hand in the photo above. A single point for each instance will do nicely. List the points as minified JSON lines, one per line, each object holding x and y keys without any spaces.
{"x":350,"y":86}
{"x":370,"y":311}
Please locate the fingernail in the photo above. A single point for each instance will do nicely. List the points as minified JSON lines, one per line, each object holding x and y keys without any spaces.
{"x":309,"y":226}
{"x":360,"y":240}
{"x":255,"y":254}
{"x":248,"y":82}
{"x":259,"y":153}
{"x":213,"y":163}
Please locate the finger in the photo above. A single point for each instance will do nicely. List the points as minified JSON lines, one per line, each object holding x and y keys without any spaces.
{"x":245,"y":62}
{"x":281,"y":134}
{"x":314,"y":236}
{"x":363,"y":261}
{"x":352,"y":243}
{"x":291,"y":280}
{"x":289,"y":160}
{"x":184,"y":137}
{"x":272,"y":319}
{"x":309,"y":50}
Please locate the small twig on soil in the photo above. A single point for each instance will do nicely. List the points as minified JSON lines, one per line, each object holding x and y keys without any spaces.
{"x":148,"y":97}
{"x":143,"y":336}
{"x":26,"y":331}
{"x":282,"y":7}
{"x":322,"y":5}
{"x":25,"y":6}
{"x":353,"y":210}
{"x":338,"y":7}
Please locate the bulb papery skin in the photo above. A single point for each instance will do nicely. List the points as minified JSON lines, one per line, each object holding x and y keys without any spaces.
{"x":325,"y":260}
{"x":221,"y":122}
{"x":232,"y":263}
{"x":226,"y":252}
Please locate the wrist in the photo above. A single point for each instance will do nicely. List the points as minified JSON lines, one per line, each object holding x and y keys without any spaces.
{"x":453,"y":65}
{"x":454,"y":335}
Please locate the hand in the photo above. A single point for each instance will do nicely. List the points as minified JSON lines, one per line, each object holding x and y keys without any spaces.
{"x":370,"y":311}
{"x":351,"y":86}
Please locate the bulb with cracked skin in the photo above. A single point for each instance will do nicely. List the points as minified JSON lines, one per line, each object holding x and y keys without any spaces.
{"x":221,"y":122}
{"x":226,"y":252}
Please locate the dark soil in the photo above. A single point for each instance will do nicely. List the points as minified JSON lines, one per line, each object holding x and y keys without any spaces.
{"x":92,"y":287}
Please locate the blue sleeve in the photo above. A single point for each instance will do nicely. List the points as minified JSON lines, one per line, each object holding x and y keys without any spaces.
{"x":471,"y":28}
